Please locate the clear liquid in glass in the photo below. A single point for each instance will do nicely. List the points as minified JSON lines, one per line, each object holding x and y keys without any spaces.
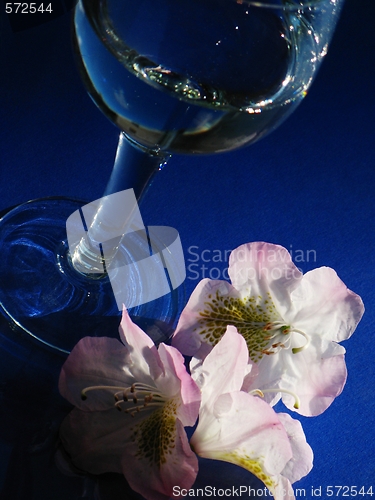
{"x":205,"y":76}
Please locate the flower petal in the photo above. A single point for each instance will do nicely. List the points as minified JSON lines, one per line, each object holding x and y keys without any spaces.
{"x":283,"y":489}
{"x":178,"y":381}
{"x":224,"y":368}
{"x":323,"y":305}
{"x":244,"y":430}
{"x":316,"y":375}
{"x":94,"y":361}
{"x":95,"y":441}
{"x":204,"y":321}
{"x":213,"y":306}
{"x":155,"y":462}
{"x":258,"y":269}
{"x":151,"y":449}
{"x":301,"y":463}
{"x":143,"y":352}
{"x":320,"y":382}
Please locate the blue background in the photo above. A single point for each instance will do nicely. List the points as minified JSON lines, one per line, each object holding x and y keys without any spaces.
{"x":309,"y":187}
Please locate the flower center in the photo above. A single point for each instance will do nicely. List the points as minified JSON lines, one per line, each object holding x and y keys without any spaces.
{"x":133,"y":399}
{"x":281,"y":337}
{"x":156,"y":435}
{"x":256,"y":319}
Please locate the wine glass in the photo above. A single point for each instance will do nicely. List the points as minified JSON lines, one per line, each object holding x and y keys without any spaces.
{"x":197,"y":77}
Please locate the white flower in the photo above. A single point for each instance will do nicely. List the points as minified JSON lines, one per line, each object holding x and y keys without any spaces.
{"x":292,"y":324}
{"x":241,"y":428}
{"x":132,"y":403}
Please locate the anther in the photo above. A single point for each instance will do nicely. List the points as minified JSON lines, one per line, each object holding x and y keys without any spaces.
{"x":257,"y":392}
{"x":268,"y":353}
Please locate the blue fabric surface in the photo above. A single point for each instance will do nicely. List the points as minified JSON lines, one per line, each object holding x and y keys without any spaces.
{"x":309,"y":187}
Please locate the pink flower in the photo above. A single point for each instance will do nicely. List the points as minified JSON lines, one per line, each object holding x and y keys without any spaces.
{"x":292,"y":324}
{"x":132,"y":403}
{"x":240,"y":428}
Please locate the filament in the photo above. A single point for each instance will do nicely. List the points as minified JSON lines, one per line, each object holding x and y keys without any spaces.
{"x":261,"y":393}
{"x":141,"y":395}
{"x":295,"y":350}
{"x":98,"y":388}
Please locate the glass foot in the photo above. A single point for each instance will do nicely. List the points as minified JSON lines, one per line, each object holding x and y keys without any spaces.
{"x":41,"y":294}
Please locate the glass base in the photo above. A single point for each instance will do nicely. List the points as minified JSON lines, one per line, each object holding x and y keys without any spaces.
{"x":41,"y":294}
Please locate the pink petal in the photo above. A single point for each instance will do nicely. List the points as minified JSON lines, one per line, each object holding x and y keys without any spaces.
{"x":178,"y":381}
{"x":323,"y":305}
{"x":111,"y":441}
{"x":316,"y":375}
{"x":224,"y":368}
{"x":94,"y":361}
{"x":95,"y":441}
{"x":301,"y":463}
{"x":144,"y":354}
{"x":283,"y":489}
{"x":192,"y":329}
{"x":244,"y":430}
{"x":258,"y":268}
{"x":320,"y":382}
{"x":154,"y":476}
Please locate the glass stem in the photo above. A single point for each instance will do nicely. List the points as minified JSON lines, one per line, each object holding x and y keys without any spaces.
{"x":134,"y":168}
{"x":107,"y":219}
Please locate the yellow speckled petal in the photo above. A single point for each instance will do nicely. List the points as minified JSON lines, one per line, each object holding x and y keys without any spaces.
{"x":216,"y":304}
{"x":159,"y":456}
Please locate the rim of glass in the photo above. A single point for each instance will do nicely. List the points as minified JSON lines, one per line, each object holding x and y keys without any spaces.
{"x":270,"y":4}
{"x":277,"y":4}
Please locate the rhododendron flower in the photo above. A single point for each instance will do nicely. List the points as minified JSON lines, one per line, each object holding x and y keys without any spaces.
{"x":241,"y":428}
{"x":292,"y":324}
{"x":132,"y":403}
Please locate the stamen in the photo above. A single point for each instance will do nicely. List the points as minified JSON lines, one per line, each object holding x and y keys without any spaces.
{"x":277,"y":329}
{"x":268,"y":353}
{"x":295,"y":350}
{"x":257,"y":392}
{"x":142,"y":395}
{"x":278,"y":332}
{"x":285,"y":391}
{"x":135,"y":409}
{"x":274,"y":326}
{"x":270,"y":337}
{"x":98,"y":388}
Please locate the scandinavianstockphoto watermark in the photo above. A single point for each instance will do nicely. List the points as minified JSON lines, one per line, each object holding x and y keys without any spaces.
{"x":213,"y":263}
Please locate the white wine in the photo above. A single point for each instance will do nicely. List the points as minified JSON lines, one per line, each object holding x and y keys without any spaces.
{"x":207,"y":78}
